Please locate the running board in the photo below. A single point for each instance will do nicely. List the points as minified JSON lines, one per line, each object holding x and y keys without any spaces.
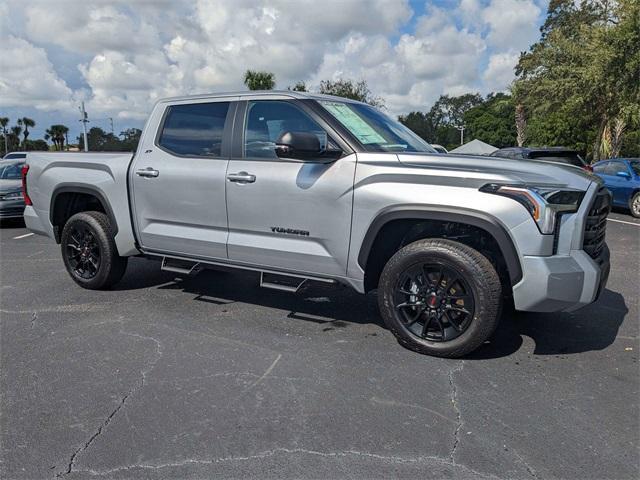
{"x":184,"y":267}
{"x":284,"y":283}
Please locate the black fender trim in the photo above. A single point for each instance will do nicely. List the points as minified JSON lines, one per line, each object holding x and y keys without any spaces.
{"x":71,"y":188}
{"x":480,"y":220}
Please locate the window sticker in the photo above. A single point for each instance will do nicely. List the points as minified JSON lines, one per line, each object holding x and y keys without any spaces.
{"x":356,"y":125}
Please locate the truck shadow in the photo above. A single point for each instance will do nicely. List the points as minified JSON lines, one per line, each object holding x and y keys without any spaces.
{"x":592,"y":328}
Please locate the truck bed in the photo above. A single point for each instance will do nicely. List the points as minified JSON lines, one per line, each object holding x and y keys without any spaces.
{"x":103,"y":175}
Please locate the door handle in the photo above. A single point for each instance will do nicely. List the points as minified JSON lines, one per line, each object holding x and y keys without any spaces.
{"x":241,"y":177}
{"x":148,"y":172}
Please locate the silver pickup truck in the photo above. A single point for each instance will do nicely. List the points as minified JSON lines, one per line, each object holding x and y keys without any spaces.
{"x":303,"y":187}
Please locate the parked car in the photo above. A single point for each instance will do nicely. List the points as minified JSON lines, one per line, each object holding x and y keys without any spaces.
{"x":11,"y":200}
{"x":439,"y":148}
{"x":547,"y":154}
{"x":15,"y":156}
{"x":306,"y":187}
{"x":622,"y":177}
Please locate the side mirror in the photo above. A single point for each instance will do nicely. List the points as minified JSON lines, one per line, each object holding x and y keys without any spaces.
{"x":303,"y":146}
{"x":626,"y":175}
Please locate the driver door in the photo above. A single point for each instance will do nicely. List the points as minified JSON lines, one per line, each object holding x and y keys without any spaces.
{"x":287,"y":214}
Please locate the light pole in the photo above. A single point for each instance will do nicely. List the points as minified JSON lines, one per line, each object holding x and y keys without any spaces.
{"x":84,"y":121}
{"x":461,"y":128}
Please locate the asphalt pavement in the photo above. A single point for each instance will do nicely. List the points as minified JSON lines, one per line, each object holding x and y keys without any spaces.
{"x":213,"y":377}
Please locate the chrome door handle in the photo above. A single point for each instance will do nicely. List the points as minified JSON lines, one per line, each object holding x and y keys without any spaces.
{"x":147,"y":172}
{"x":241,"y":177}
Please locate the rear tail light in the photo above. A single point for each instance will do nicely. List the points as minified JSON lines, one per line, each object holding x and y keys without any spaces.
{"x":25,"y":195}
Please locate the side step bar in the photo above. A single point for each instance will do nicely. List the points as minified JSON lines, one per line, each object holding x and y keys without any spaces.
{"x":285,"y":283}
{"x":184,"y":267}
{"x":274,"y":279}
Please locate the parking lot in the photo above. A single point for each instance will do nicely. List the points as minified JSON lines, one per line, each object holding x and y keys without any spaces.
{"x":212,"y":376}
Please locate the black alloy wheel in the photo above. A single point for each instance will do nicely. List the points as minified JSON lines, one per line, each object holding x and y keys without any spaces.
{"x":440,"y":297}
{"x":83,"y":251}
{"x":435,"y":302}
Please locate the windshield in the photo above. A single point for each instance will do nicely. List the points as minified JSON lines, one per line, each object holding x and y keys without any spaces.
{"x":375,"y":130}
{"x":635,"y":166}
{"x":10,"y":171}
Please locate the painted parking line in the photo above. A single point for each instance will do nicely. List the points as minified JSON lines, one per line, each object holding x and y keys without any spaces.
{"x":23,"y":236}
{"x":622,"y":221}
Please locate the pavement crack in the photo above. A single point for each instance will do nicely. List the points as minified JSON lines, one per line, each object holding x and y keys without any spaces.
{"x":144,"y":372}
{"x":34,"y":317}
{"x":456,"y":409}
{"x":265,"y":374}
{"x":427,"y":460}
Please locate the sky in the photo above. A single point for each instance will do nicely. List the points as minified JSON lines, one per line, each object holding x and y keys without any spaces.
{"x":121,"y":56}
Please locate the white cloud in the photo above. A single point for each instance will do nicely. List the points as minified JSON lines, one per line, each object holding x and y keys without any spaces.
{"x":28,"y":77}
{"x":500,"y":73}
{"x":513,"y":23}
{"x":132,"y":53}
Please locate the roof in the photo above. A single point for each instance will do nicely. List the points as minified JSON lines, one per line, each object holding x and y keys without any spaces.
{"x":260,"y":93}
{"x":474,"y":147}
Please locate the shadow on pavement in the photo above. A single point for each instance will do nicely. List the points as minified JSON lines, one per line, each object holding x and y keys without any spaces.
{"x":592,"y":328}
{"x":12,"y":223}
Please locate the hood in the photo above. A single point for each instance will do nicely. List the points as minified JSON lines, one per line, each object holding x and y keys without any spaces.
{"x":10,"y":185}
{"x":482,"y":170}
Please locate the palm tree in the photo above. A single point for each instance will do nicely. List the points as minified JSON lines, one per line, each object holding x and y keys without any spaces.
{"x":57,"y":134}
{"x":14,"y":136}
{"x":26,"y":122}
{"x":4,"y":121}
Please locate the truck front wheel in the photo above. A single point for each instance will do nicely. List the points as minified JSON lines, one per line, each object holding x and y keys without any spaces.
{"x":440,"y":297}
{"x":89,"y":251}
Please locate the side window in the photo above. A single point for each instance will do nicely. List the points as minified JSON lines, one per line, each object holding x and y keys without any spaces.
{"x":616,"y":167}
{"x":601,"y":167}
{"x":266,"y":120}
{"x":194,"y":129}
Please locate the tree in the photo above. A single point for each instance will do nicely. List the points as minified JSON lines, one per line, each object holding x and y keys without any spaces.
{"x":492,"y":120}
{"x":4,"y":121}
{"x":255,"y":80}
{"x":350,"y":89}
{"x":521,"y":125}
{"x":420,"y":123}
{"x":582,"y":75}
{"x":39,"y":145}
{"x":57,"y":134}
{"x":299,"y":87}
{"x":26,"y":122}
{"x":130,"y":139}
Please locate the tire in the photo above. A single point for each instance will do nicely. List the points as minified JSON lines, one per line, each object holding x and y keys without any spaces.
{"x":445,"y":280}
{"x":89,"y":251}
{"x":634,"y":205}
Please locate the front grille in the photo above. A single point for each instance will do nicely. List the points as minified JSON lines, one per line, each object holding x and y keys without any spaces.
{"x":596,"y":225}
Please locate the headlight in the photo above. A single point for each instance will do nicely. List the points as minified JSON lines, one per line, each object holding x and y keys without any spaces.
{"x":544,"y":204}
{"x":12,"y":195}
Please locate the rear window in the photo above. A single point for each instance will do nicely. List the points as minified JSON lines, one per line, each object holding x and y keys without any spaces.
{"x":10,"y":170}
{"x":570,"y":158}
{"x":194,"y":129}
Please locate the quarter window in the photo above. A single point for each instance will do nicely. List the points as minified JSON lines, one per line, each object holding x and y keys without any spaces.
{"x":268,"y":119}
{"x":194,"y":129}
{"x":601,"y":167}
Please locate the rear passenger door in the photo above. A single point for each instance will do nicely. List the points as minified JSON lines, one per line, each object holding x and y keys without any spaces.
{"x":178,"y":180}
{"x":287,"y":214}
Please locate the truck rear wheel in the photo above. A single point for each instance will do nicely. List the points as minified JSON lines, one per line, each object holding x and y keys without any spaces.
{"x":440,"y":297}
{"x":89,"y":251}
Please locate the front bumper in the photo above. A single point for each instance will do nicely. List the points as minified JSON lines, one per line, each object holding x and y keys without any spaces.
{"x":561,"y":282}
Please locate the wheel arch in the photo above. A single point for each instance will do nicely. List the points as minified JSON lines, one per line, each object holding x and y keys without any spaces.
{"x":411,"y":216}
{"x":69,"y":199}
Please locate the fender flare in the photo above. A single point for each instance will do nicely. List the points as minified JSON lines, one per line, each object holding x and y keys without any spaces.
{"x":477,"y":219}
{"x":86,"y":189}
